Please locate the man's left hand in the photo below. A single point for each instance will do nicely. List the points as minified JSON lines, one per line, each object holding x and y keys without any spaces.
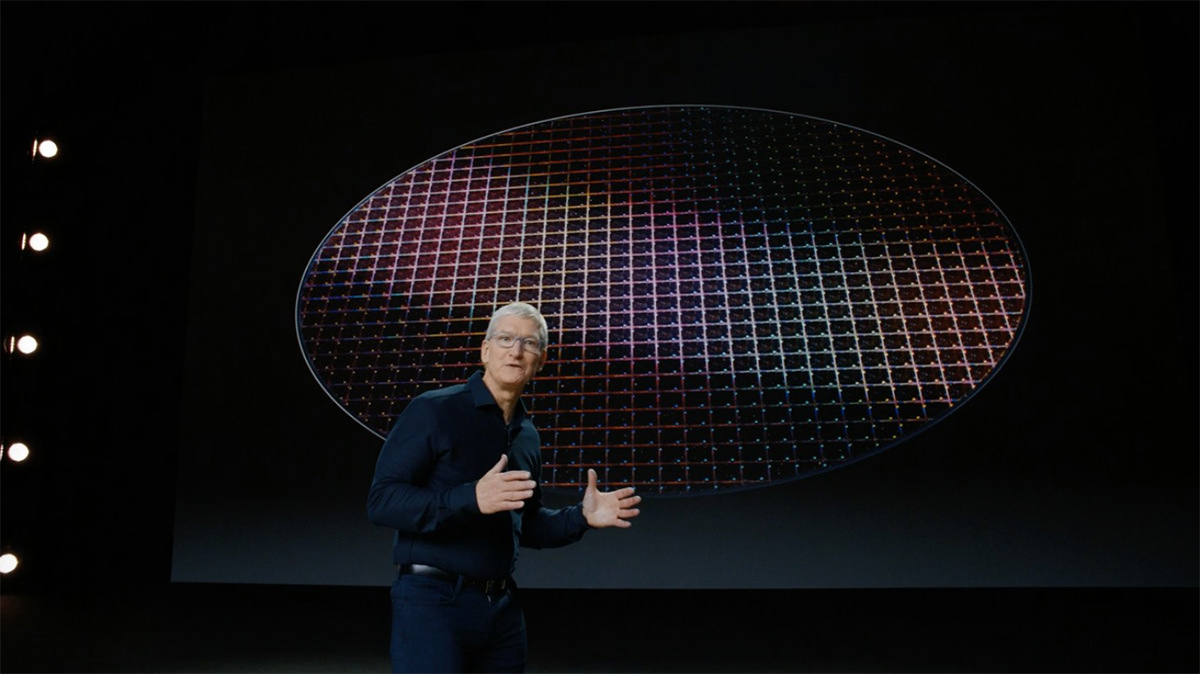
{"x":609,"y":508}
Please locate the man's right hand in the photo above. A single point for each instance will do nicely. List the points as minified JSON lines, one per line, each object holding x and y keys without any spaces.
{"x":499,"y":490}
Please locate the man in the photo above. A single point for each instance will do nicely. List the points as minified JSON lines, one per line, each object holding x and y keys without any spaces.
{"x":457,"y":479}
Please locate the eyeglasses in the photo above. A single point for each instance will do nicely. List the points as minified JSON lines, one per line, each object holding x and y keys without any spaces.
{"x":527,"y":343}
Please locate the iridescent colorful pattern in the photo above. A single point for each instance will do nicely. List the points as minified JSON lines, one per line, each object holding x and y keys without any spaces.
{"x":737,"y":297}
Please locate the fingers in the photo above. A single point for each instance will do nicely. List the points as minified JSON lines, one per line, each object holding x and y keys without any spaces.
{"x":513,"y":501}
{"x":625,"y":493}
{"x":494,"y":499}
{"x":499,"y":490}
{"x":627,"y":507}
{"x":512,"y":482}
{"x":623,"y":515}
{"x":622,"y":493}
{"x":609,"y":509}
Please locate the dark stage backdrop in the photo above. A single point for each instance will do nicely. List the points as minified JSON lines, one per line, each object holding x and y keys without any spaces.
{"x":1074,"y":466}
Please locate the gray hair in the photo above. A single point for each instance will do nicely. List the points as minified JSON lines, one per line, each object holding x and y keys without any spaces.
{"x":524,"y":311}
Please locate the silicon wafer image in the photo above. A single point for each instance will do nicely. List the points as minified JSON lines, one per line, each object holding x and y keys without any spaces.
{"x":736,"y":297}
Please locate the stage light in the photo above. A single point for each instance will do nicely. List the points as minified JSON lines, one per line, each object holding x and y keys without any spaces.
{"x":8,"y":563}
{"x":35,"y":241}
{"x":26,"y":344}
{"x":17,"y":452}
{"x":45,"y":148}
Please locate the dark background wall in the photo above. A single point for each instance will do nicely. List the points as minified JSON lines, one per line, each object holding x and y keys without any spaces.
{"x":1050,"y":476}
{"x":123,"y":87}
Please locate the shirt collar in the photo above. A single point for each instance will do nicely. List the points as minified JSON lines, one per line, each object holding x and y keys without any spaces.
{"x":482,"y":397}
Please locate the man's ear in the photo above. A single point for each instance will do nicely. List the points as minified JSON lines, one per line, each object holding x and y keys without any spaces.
{"x":483,"y":350}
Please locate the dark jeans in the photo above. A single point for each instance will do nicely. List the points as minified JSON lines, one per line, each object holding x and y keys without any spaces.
{"x":440,"y":626}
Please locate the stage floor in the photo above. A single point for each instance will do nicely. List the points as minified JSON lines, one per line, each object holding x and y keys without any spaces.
{"x":248,"y":628}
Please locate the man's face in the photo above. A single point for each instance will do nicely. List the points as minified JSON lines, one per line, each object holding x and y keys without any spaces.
{"x":511,"y":368}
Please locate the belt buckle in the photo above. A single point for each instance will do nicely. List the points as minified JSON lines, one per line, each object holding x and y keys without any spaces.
{"x":493,"y":585}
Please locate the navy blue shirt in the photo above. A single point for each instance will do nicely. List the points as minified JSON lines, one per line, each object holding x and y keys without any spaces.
{"x":424,"y":485}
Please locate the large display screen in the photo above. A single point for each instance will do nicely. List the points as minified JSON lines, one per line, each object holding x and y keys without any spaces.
{"x":852,"y":304}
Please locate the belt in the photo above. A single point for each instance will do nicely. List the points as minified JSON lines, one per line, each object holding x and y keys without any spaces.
{"x":485,"y":585}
